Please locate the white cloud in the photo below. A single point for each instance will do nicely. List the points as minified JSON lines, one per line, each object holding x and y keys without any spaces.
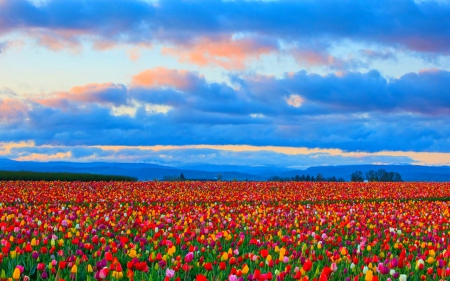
{"x":157,"y":108}
{"x":295,"y":100}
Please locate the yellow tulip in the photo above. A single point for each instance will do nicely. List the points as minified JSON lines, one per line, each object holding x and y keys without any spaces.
{"x":132,"y":253}
{"x":16,"y":273}
{"x":224,"y":257}
{"x":117,"y":274}
{"x":369,"y":275}
{"x":245,"y":269}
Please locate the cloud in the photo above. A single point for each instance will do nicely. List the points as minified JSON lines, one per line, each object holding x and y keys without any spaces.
{"x":378,"y":54}
{"x":247,"y":155}
{"x":352,"y":112}
{"x":12,"y":110}
{"x":295,"y":100}
{"x":226,"y":34}
{"x":3,"y":46}
{"x":107,"y":93}
{"x":163,"y":77}
{"x":323,"y":58}
{"x":44,"y":157}
{"x":361,"y":92}
{"x":226,"y":52}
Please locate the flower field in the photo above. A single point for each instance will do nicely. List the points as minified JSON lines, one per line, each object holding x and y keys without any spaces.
{"x":224,"y":231}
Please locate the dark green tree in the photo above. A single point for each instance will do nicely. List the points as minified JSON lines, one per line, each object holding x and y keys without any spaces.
{"x":357,"y":177}
{"x":320,"y":177}
{"x":372,"y":176}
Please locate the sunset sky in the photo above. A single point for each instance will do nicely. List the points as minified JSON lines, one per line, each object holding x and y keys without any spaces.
{"x":290,"y":83}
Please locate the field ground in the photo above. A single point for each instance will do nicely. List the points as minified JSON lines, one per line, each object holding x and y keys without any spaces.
{"x":224,"y":231}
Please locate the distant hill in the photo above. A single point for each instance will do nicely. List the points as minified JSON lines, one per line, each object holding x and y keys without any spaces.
{"x":141,"y":171}
{"x":144,"y":171}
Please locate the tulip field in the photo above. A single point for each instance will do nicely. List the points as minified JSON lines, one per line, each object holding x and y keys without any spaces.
{"x":224,"y":231}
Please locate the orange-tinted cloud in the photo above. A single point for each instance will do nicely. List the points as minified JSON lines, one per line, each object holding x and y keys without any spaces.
{"x":11,"y":109}
{"x":316,"y":58}
{"x":163,"y":77}
{"x":6,"y":147}
{"x":134,"y":54}
{"x":59,"y":39}
{"x":107,"y":93}
{"x":225,"y":52}
{"x":44,"y":157}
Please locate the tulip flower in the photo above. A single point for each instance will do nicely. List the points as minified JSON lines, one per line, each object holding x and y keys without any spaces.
{"x":16,"y":274}
{"x":170,"y":273}
{"x":208,"y":266}
{"x":307,"y":265}
{"x":189,"y":257}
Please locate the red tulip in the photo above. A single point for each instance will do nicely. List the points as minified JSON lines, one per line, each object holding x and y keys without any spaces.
{"x":222,"y":265}
{"x":201,"y":277}
{"x":208,"y":266}
{"x":307,"y":265}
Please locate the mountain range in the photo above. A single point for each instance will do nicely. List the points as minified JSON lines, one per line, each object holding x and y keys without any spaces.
{"x":204,"y":171}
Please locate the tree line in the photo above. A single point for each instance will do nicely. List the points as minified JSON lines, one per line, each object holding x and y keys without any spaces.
{"x":319,"y":177}
{"x":47,"y":176}
{"x":376,"y":176}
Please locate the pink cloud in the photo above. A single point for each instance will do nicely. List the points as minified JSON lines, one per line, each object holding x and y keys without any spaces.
{"x":134,"y":54}
{"x":426,"y":44}
{"x":163,"y":77}
{"x":316,"y":58}
{"x":12,"y":109}
{"x":429,"y":70}
{"x":322,"y":58}
{"x":107,"y":93}
{"x":225,"y":52}
{"x":59,"y":39}
{"x":71,"y":39}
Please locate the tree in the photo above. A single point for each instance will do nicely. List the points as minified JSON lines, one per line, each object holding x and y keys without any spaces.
{"x":372,"y":176}
{"x":332,"y":179}
{"x":382,"y":175}
{"x":397,"y":177}
{"x":320,"y":177}
{"x":357,"y":177}
{"x":182,"y":177}
{"x":275,"y":178}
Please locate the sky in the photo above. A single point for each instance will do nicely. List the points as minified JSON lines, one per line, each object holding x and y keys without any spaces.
{"x":289,"y":83}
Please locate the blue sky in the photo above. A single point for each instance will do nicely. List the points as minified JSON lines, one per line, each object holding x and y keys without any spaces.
{"x":293,"y":83}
